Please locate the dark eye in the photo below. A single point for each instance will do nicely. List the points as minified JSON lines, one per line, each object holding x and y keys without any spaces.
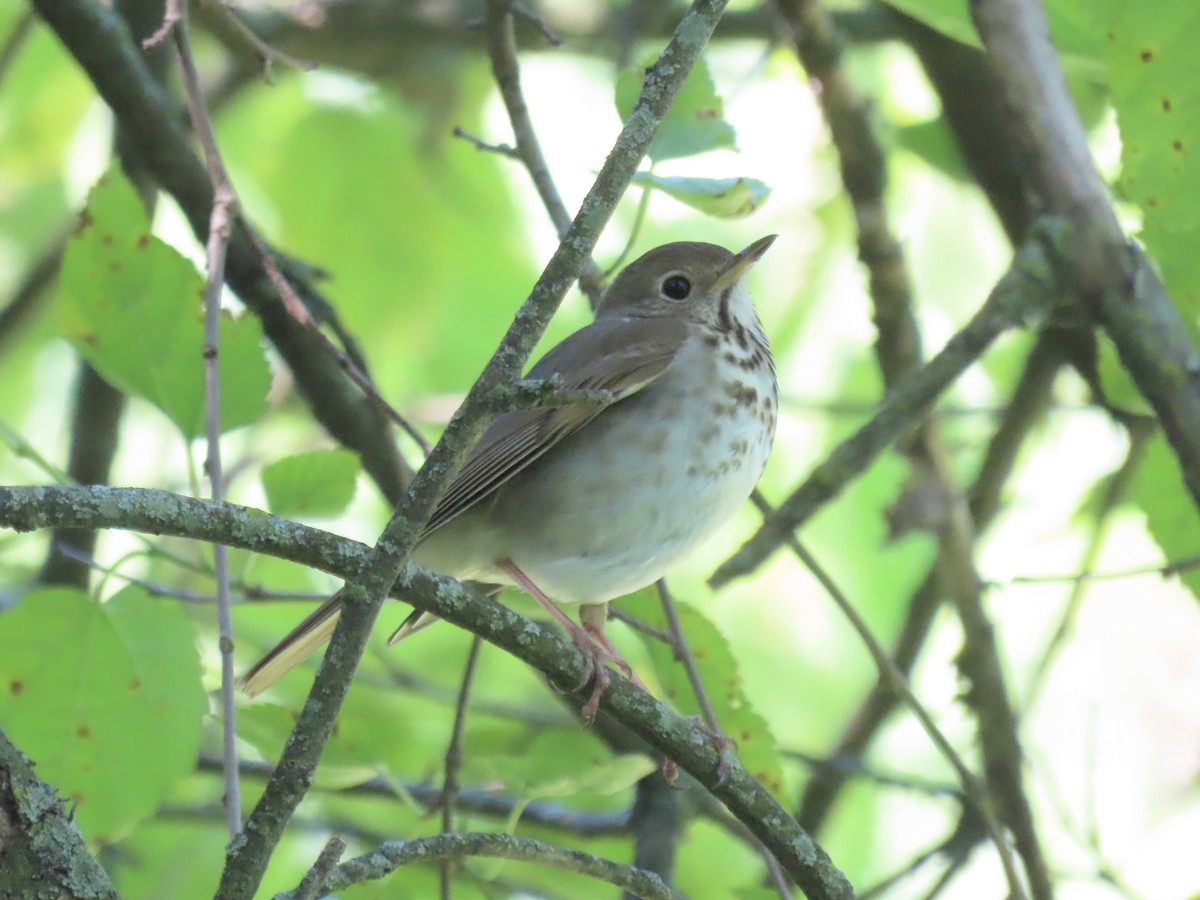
{"x":676,"y":287}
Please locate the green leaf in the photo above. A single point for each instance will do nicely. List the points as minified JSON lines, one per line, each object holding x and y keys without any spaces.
{"x":756,"y":747}
{"x":725,"y":198}
{"x":105,"y":697}
{"x":131,"y":306}
{"x":695,"y":122}
{"x":1151,"y":64}
{"x":311,"y":485}
{"x":1171,"y":516}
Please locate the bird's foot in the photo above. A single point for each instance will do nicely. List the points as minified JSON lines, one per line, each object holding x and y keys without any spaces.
{"x":725,"y":746}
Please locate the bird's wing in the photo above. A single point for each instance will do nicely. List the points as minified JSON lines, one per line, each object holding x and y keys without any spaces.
{"x":620,"y":355}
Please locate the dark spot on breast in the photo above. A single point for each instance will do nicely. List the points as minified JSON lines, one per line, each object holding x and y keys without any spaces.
{"x":16,"y":687}
{"x":739,"y":335}
{"x":724,"y":319}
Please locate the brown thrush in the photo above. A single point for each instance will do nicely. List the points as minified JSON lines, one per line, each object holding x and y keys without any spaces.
{"x":588,"y":502}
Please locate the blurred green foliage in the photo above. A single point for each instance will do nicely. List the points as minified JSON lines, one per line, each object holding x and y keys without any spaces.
{"x":427,"y":247}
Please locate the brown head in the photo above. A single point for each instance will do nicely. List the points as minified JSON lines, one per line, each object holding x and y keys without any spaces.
{"x":687,"y":279}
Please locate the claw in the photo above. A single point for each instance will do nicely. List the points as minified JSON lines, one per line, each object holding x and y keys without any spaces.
{"x":724,"y":745}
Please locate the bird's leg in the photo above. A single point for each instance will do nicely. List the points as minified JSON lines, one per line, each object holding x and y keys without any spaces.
{"x":593,"y":616}
{"x":595,"y":652}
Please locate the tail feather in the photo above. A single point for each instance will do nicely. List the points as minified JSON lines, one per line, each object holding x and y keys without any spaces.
{"x":295,"y":647}
{"x":415,"y":622}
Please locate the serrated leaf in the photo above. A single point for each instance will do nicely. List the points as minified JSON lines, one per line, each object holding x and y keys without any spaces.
{"x":724,"y":198}
{"x":311,"y":485}
{"x":756,"y":747}
{"x":131,"y":306}
{"x":1171,"y":515}
{"x":1157,"y":98}
{"x":695,"y":122}
{"x":105,"y":697}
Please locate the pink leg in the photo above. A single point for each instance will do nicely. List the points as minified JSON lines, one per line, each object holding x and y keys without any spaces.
{"x":591,"y":640}
{"x":593,"y":616}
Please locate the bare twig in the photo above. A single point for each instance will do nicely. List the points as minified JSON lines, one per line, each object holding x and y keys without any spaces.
{"x":502,"y":47}
{"x":315,"y":879}
{"x":299,"y":311}
{"x":480,"y":144}
{"x":481,"y":801}
{"x":268,"y":54}
{"x":175,"y":24}
{"x":149,"y":119}
{"x":888,"y":671}
{"x":454,"y":757}
{"x":393,"y":854}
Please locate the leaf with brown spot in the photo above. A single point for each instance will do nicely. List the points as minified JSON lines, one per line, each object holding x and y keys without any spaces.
{"x":120,"y":752}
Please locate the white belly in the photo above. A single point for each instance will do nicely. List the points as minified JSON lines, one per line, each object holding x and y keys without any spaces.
{"x":613,"y":508}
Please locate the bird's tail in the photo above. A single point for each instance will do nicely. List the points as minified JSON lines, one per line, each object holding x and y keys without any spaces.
{"x":415,"y":622}
{"x":295,"y":647}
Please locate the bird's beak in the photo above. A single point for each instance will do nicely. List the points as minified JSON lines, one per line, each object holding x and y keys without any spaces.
{"x":743,"y":262}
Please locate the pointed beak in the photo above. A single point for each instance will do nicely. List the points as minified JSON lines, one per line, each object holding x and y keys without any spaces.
{"x":743,"y":262}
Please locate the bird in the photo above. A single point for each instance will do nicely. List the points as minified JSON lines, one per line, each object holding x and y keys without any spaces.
{"x":589,"y":501}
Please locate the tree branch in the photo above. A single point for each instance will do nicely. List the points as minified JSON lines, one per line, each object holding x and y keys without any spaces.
{"x":161,"y":512}
{"x":1112,"y":278}
{"x":391,"y":855}
{"x":40,"y":845}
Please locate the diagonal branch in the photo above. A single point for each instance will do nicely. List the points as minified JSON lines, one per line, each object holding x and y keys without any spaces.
{"x":1029,"y":288}
{"x":391,"y":855}
{"x":1109,"y":275}
{"x":161,"y":512}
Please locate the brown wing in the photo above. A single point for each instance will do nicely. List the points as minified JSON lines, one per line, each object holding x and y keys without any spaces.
{"x":620,"y":355}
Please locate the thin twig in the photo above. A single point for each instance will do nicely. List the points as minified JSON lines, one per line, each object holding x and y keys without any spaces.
{"x":970,"y":783}
{"x":391,"y":855}
{"x":175,"y":23}
{"x":480,"y":144}
{"x":480,"y":801}
{"x":454,"y":758}
{"x":313,"y":883}
{"x":300,"y":312}
{"x":150,"y":120}
{"x":683,"y":653}
{"x":268,"y":54}
{"x":502,"y":48}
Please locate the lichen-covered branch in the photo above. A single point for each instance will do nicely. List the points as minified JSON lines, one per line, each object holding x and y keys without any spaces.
{"x":161,"y":512}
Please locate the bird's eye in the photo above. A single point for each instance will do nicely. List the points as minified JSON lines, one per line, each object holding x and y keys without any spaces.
{"x":676,"y":287}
